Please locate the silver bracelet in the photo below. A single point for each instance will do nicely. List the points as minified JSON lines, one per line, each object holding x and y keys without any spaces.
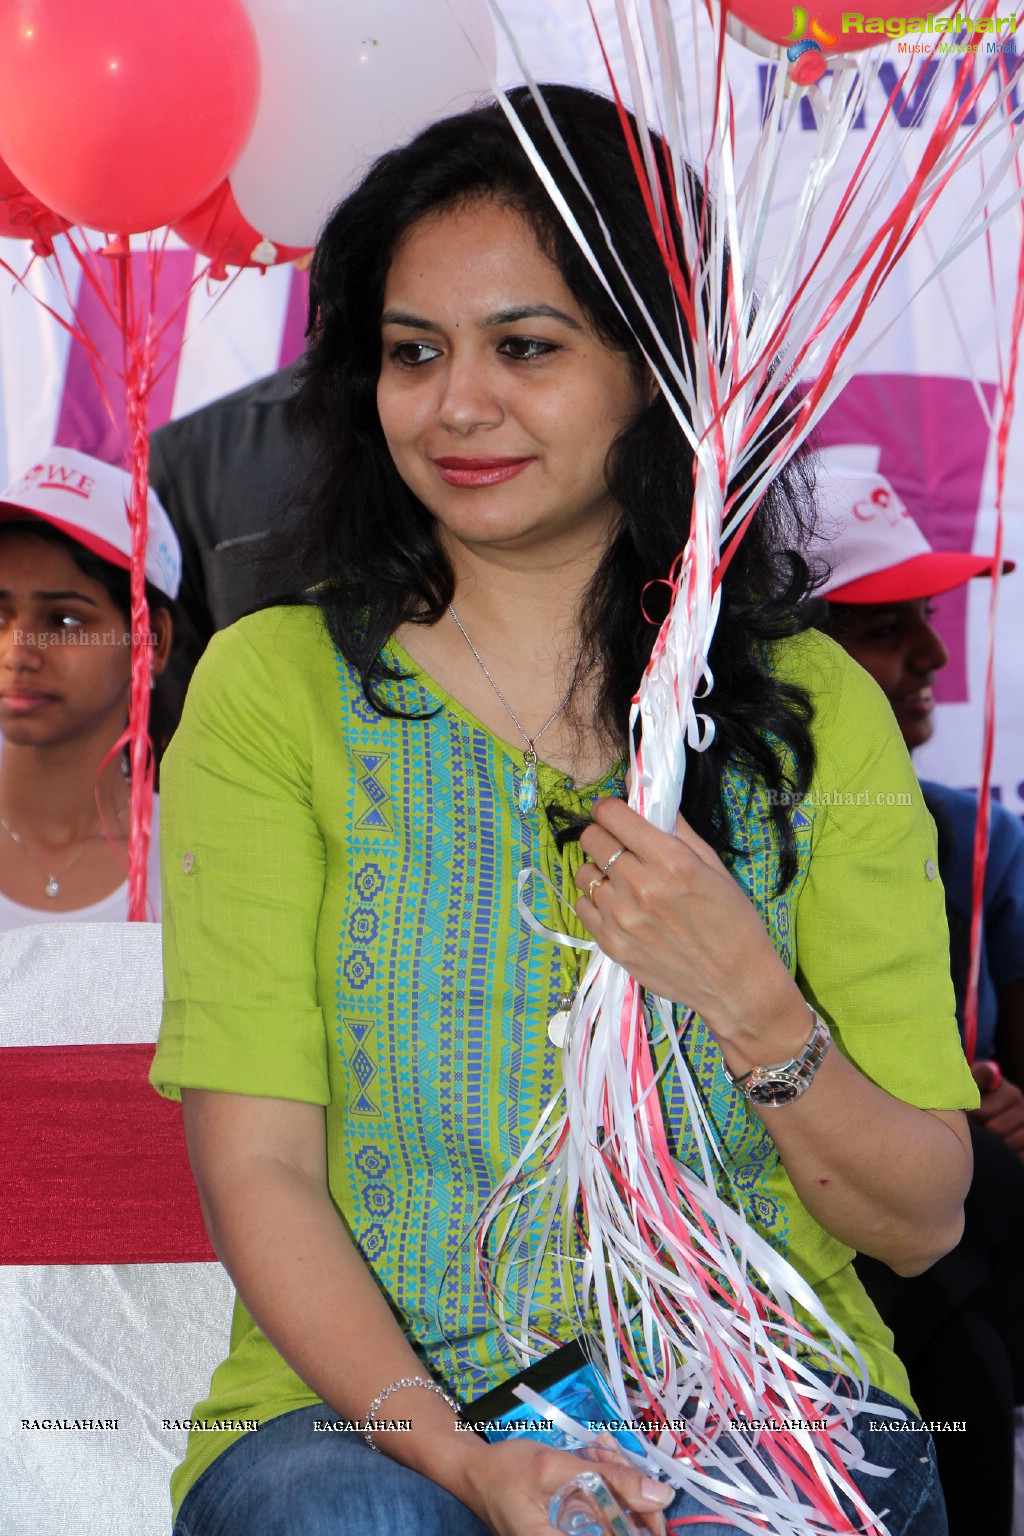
{"x":424,"y":1382}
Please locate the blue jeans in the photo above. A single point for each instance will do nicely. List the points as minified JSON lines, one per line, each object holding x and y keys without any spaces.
{"x":911,"y":1496}
{"x":288,"y":1480}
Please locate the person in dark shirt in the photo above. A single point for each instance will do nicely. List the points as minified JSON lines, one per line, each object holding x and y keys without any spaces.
{"x":228,"y":475}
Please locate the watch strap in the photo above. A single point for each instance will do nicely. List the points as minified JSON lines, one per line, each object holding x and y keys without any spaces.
{"x":785,"y":1081}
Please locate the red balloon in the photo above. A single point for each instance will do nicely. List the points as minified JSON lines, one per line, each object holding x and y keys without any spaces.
{"x":24,"y":217}
{"x":784,"y":24}
{"x":124,"y":114}
{"x":217,"y":229}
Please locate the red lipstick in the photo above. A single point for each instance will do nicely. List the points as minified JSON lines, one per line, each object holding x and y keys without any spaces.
{"x":474,"y":473}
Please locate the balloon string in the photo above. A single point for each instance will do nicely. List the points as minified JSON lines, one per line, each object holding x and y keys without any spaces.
{"x":137,"y":362}
{"x":110,"y":275}
{"x":892,"y":236}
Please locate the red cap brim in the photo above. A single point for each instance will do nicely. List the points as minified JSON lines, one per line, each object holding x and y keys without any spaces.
{"x":925,"y":575}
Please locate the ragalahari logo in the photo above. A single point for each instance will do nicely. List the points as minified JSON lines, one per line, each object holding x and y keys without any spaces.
{"x":807,"y":53}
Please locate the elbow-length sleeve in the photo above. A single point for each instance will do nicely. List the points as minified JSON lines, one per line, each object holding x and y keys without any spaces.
{"x":243,"y":868}
{"x":872,"y":940}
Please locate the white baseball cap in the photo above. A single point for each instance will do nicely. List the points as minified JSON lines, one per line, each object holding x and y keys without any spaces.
{"x":88,"y":500}
{"x":875,"y":551}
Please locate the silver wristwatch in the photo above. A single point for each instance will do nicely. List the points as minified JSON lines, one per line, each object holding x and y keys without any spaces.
{"x":777,"y":1085}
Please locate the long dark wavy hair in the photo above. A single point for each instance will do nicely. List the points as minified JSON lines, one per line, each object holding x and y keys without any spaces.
{"x":371,"y":545}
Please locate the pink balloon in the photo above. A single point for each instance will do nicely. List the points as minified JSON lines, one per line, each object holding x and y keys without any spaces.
{"x":124,"y":114}
{"x":217,"y":229}
{"x":24,"y":217}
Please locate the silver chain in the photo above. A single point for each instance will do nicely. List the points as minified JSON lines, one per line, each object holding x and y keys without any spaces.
{"x":52,"y":887}
{"x":531,"y":741}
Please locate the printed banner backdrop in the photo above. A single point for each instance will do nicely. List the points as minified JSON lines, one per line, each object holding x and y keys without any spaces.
{"x":104,"y":1334}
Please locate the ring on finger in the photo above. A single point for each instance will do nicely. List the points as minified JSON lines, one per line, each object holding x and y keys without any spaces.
{"x":616,"y":855}
{"x":597,"y":880}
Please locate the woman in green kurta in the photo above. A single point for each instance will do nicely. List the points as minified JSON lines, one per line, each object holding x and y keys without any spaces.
{"x":357,"y":1018}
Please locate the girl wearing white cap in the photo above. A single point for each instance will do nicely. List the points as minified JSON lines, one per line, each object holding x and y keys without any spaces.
{"x":65,"y":667}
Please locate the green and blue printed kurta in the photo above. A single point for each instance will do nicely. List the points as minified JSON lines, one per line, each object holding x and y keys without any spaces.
{"x":341,"y":928}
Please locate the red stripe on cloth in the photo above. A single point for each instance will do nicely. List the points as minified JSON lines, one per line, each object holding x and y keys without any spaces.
{"x":93,"y":1167}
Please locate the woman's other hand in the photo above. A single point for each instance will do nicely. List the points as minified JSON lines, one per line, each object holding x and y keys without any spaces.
{"x":1002,"y":1105}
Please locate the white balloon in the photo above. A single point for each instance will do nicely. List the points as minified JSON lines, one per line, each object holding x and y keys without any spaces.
{"x":342,"y":81}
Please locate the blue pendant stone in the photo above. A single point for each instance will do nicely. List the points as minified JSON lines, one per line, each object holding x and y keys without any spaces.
{"x":526,"y":795}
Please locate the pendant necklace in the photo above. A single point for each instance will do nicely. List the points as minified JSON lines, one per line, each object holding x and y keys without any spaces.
{"x":52,"y":886}
{"x":558,"y":1024}
{"x":526,"y":794}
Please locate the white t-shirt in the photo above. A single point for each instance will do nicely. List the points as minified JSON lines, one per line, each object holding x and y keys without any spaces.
{"x":112,"y":909}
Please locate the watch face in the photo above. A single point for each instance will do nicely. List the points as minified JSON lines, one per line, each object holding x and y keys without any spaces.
{"x":773,"y":1091}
